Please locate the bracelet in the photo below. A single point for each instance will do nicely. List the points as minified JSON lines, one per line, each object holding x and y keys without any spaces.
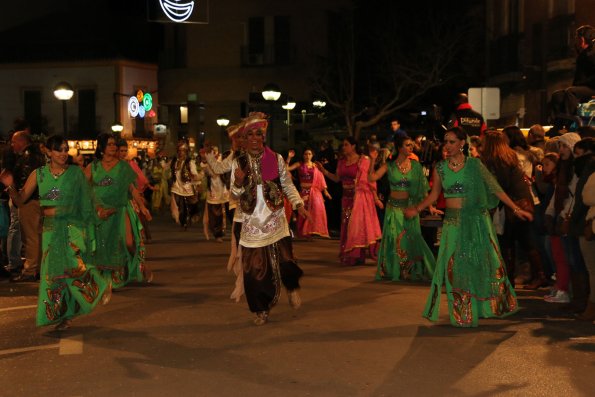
{"x":418,"y":210}
{"x":516,"y":209}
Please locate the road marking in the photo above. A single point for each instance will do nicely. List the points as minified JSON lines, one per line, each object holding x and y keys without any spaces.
{"x":28,"y":349}
{"x":68,"y":346}
{"x":71,"y":345}
{"x":6,"y":309}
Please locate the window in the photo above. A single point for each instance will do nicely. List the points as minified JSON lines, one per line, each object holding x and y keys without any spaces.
{"x":268,"y":41}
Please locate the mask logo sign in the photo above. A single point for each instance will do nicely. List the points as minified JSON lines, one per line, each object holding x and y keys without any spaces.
{"x":177,"y":10}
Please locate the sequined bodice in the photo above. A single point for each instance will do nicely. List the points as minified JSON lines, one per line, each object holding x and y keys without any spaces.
{"x":306,"y":174}
{"x":399,"y":182}
{"x":347,"y":173}
{"x":51,"y":192}
{"x":452,"y":182}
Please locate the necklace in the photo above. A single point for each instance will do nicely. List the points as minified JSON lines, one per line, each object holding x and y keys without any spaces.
{"x":453,"y":164}
{"x":56,"y":175}
{"x":403,"y":166}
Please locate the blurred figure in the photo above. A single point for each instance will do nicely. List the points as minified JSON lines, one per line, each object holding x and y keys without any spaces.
{"x":28,"y":158}
{"x":403,"y":253}
{"x":312,"y":188}
{"x":468,"y":119}
{"x":360,"y":230}
{"x":474,"y":146}
{"x":583,"y":85}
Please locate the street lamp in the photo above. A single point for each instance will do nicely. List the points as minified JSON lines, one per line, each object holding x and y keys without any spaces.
{"x":63,"y":91}
{"x":117,"y":127}
{"x":222,"y":121}
{"x":271,"y":93}
{"x":319,"y":104}
{"x":289,"y":106}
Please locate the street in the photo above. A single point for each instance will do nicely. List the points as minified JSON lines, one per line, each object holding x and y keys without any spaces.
{"x":353,"y":336}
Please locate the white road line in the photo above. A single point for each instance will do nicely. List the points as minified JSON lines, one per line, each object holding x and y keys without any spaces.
{"x":29,"y":349}
{"x":68,"y":346}
{"x":6,"y":309}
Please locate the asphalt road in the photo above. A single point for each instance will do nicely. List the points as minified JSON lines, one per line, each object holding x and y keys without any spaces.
{"x":183,"y":336}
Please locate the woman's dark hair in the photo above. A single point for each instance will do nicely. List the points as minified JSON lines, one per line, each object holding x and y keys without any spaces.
{"x":55,"y":142}
{"x":399,"y":140}
{"x":461,"y":135}
{"x":586,"y":144}
{"x":121,"y":143}
{"x":351,"y":140}
{"x":102,"y":140}
{"x":516,"y":137}
{"x":495,"y":150}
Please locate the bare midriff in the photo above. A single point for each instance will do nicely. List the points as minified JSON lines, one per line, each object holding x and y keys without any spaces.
{"x":48,"y":211}
{"x":305,"y":185}
{"x":454,"y":202}
{"x":399,"y":195}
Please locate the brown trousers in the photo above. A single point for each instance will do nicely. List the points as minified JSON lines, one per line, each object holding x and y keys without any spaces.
{"x":30,"y":218}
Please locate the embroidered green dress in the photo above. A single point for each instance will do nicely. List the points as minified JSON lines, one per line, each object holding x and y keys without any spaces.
{"x":111,"y":190}
{"x":469,"y":261}
{"x":69,"y":285}
{"x":403,"y":252}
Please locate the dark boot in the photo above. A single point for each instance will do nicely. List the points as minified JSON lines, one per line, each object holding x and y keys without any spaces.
{"x":538,"y":279}
{"x":588,"y":314}
{"x":580,"y":292}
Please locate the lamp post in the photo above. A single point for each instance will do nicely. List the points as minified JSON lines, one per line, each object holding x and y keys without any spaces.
{"x":63,"y":92}
{"x":271,"y":93}
{"x":289,"y":106}
{"x":222,"y":121}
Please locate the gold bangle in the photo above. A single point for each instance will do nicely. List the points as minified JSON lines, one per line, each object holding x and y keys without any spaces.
{"x":516,"y":209}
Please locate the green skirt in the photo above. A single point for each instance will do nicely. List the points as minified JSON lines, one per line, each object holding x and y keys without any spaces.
{"x":68,"y":286}
{"x":403,"y":252}
{"x":111,"y":255}
{"x":471,"y":267}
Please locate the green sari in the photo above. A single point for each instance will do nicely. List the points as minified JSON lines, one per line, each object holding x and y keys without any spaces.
{"x":403,"y":252}
{"x":469,"y":261}
{"x":69,"y":285}
{"x":112,"y":258}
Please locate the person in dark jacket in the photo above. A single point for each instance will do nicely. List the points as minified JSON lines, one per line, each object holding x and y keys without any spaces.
{"x":583,"y":86}
{"x":28,"y":158}
{"x":468,"y":119}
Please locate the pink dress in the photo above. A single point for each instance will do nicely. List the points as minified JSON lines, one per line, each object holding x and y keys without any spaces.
{"x":360,"y":229}
{"x":312,"y":185}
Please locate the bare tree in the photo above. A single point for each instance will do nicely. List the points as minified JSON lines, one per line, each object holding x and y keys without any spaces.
{"x":402,"y":64}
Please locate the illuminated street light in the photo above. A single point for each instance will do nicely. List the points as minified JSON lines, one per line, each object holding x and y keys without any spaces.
{"x":117,"y":127}
{"x":289,"y":106}
{"x":318,"y":103}
{"x":63,"y":91}
{"x":222,"y":121}
{"x":271,"y":92}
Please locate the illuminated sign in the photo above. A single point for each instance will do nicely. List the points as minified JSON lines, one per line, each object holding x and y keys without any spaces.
{"x":178,"y":11}
{"x":141,"y":104}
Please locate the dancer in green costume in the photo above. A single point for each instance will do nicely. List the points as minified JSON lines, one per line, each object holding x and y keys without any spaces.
{"x":69,"y":285}
{"x":469,"y":261}
{"x":403,"y":253}
{"x":120,"y":252}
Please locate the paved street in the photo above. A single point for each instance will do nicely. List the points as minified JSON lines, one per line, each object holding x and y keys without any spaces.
{"x":182,"y":336}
